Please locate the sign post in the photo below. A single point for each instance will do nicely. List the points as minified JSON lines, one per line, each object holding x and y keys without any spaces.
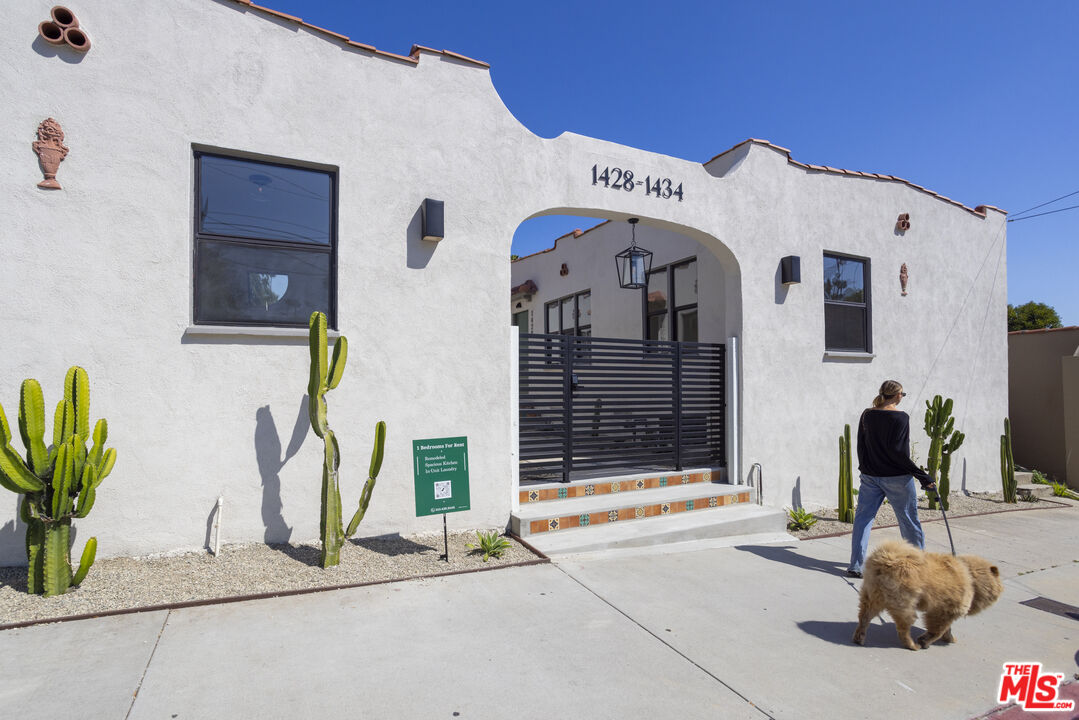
{"x":440,"y":468}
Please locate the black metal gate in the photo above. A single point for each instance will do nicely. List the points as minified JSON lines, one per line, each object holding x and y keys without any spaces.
{"x":599,"y":404}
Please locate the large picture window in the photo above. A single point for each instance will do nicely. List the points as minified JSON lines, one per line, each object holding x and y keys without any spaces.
{"x":847,"y":320}
{"x":265,"y":242}
{"x":670,"y":303}
{"x":571,"y":315}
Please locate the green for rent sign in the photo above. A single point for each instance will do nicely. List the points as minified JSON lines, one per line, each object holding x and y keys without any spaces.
{"x":441,"y":472}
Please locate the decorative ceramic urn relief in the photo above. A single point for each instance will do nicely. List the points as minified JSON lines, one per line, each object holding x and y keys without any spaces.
{"x":903,"y":278}
{"x":50,"y":150}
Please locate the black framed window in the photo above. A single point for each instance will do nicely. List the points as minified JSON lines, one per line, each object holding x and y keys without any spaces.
{"x":670,"y":303}
{"x":571,"y":315}
{"x":520,"y":319}
{"x":265,"y":242}
{"x":847,"y":317}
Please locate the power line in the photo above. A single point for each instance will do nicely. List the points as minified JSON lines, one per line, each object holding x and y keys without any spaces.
{"x":1050,"y":212}
{"x":1015,"y":216}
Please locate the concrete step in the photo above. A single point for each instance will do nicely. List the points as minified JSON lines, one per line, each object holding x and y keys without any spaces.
{"x":604,"y":485}
{"x":720,"y":522}
{"x":1036,"y":489}
{"x":593,"y":510}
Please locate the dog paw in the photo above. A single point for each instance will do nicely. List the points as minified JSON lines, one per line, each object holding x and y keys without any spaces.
{"x":924,"y":641}
{"x":859,"y":637}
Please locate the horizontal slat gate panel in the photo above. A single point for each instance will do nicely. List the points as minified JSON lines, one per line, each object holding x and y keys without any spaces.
{"x":607,"y":404}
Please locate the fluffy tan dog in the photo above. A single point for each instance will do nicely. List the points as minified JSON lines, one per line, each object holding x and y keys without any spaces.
{"x":904,"y":580}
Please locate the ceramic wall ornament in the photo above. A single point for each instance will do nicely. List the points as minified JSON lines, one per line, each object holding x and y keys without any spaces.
{"x":50,"y":150}
{"x":564,"y":271}
{"x":902,"y":223}
{"x":63,"y":29}
{"x":903,"y":279}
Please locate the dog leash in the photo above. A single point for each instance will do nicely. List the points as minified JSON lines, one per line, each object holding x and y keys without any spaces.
{"x":946,"y":526}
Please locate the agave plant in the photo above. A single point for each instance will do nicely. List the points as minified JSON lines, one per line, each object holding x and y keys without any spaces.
{"x":491,"y":544}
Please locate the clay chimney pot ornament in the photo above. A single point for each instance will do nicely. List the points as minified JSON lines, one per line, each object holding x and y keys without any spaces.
{"x":903,"y":278}
{"x":51,"y":151}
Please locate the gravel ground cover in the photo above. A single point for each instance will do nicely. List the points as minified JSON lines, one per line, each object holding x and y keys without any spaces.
{"x":249,"y":569}
{"x":959,"y":504}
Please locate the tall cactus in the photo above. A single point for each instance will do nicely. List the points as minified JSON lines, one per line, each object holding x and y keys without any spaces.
{"x":325,"y":376}
{"x":1007,"y":463}
{"x":943,"y":441}
{"x":846,"y":484}
{"x":58,"y":482}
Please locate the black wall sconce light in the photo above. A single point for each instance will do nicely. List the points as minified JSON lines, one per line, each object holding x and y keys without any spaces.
{"x":433,"y":220}
{"x":633,"y":263}
{"x":790,"y":270}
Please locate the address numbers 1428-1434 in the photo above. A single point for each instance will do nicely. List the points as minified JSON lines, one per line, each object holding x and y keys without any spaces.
{"x":619,"y":179}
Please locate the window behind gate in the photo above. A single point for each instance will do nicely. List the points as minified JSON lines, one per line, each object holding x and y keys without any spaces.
{"x":670,"y":303}
{"x":265,"y":242}
{"x":571,"y":315}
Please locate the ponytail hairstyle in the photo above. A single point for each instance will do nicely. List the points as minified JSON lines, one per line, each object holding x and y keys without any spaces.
{"x":888,"y":389}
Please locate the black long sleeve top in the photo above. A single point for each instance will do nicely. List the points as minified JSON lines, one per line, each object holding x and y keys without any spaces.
{"x":884,"y":445}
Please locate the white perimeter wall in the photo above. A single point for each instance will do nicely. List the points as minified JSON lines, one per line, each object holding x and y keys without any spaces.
{"x":99,"y":274}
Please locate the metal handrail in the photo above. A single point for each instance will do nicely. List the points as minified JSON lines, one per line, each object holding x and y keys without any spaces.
{"x":759,"y":485}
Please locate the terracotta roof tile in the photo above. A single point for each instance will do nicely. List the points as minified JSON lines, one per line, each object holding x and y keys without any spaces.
{"x":370,"y":48}
{"x":528,"y":287}
{"x":563,"y":237}
{"x":1039,"y":330}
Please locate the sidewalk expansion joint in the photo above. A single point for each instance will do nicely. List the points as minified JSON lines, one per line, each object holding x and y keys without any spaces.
{"x":135,"y":695}
{"x":671,"y":647}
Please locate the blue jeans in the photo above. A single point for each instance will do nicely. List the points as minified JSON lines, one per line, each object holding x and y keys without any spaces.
{"x":903,"y":495}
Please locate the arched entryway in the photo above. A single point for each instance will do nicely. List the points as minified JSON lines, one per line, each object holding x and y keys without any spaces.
{"x":613,"y":380}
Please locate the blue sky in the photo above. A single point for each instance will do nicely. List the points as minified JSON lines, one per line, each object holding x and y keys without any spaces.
{"x":975,"y":100}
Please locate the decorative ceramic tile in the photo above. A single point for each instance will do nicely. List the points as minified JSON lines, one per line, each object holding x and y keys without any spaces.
{"x":638,"y":512}
{"x":553,"y":523}
{"x":612,"y":516}
{"x":689,"y":504}
{"x":713,"y":501}
{"x":663,"y":482}
{"x":533,"y":496}
{"x":685,"y":478}
{"x":665,"y":509}
{"x":615,"y":487}
{"x":589,"y":489}
{"x":708,"y":476}
{"x":583,"y":520}
{"x":537,"y":526}
{"x":563,"y":492}
{"x":640,"y":484}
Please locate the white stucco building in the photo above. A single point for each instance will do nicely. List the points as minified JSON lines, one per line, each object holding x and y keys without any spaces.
{"x":229,"y":176}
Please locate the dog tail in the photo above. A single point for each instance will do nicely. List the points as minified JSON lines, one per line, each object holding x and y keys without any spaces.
{"x":894,"y":563}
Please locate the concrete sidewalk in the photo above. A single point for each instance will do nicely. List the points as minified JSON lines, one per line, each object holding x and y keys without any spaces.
{"x":697,"y":631}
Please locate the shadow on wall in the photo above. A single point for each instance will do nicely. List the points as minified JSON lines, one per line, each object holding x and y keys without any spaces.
{"x":781,"y":289}
{"x":270,"y":463}
{"x":418,"y":250}
{"x":796,"y":493}
{"x":13,"y":535}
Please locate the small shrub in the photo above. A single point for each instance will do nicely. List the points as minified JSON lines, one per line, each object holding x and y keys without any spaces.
{"x":491,"y":544}
{"x":1040,"y":478}
{"x":1062,"y":490}
{"x":1029,"y":497}
{"x":800,"y":519}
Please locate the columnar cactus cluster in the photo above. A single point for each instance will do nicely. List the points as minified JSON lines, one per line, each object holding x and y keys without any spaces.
{"x":325,"y":376}
{"x":58,"y":482}
{"x":1007,"y":463}
{"x":846,"y":483}
{"x":944,"y":440}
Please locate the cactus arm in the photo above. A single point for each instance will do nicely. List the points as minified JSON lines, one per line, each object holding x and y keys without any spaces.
{"x":330,"y":524}
{"x":77,"y":392}
{"x":108,"y":460}
{"x":57,"y":559}
{"x":87,"y":491}
{"x":337,"y":367}
{"x":35,"y":555}
{"x":316,"y":386}
{"x":78,"y":448}
{"x":101,"y":435}
{"x":32,"y":425}
{"x":62,"y":479}
{"x":88,"y":555}
{"x":14,"y":474}
{"x":369,"y":486}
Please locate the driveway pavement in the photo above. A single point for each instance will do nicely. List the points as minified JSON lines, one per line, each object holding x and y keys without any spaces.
{"x":692,"y":631}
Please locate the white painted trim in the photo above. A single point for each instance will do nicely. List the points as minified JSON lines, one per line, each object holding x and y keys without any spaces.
{"x":515,"y":419}
{"x":852,"y":355}
{"x":734,"y":460}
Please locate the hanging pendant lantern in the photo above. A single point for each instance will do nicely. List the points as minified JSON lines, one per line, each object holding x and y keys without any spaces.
{"x":633,"y":263}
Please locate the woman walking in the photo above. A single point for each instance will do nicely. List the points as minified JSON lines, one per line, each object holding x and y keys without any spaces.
{"x":886,"y":472}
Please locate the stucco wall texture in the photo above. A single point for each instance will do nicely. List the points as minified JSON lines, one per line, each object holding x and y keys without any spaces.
{"x":99,"y":274}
